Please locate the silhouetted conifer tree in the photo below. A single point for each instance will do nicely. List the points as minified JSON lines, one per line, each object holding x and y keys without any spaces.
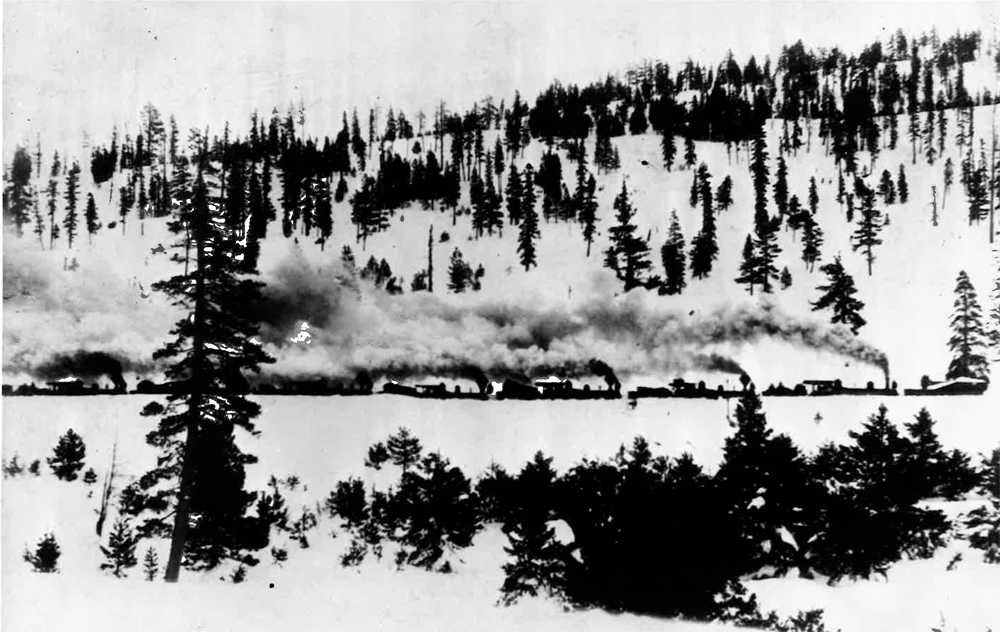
{"x":968,"y":342}
{"x":674,"y":259}
{"x":628,"y":255}
{"x":67,"y":457}
{"x":839,"y":293}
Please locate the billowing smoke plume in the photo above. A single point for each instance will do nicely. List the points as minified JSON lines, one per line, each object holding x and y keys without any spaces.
{"x":718,"y":364}
{"x":86,"y":365}
{"x":425,"y":334}
{"x":353,"y":327}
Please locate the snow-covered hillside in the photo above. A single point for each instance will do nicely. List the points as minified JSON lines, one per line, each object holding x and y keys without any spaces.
{"x":108,"y":302}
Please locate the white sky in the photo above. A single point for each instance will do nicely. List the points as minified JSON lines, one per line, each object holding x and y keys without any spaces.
{"x":70,"y":66}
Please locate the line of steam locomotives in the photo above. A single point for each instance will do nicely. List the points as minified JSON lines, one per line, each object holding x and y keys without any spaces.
{"x":513,"y":387}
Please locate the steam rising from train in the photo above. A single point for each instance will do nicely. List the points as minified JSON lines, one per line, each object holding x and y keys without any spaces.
{"x":105,"y":328}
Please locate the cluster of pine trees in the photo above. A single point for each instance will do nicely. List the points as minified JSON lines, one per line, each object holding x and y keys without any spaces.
{"x":850,"y":510}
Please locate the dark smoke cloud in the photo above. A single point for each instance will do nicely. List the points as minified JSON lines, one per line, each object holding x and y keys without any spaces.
{"x":86,"y":365}
{"x":421,"y":334}
{"x":354,"y":327}
{"x":718,"y":364}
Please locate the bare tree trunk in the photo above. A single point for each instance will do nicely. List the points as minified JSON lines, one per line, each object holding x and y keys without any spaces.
{"x":107,"y":489}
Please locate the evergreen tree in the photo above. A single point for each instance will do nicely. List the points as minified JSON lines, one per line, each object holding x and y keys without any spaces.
{"x":968,"y":342}
{"x":588,"y":212}
{"x":120,"y":552}
{"x":72,"y":191}
{"x":150,"y":565}
{"x":404,"y":449}
{"x":539,"y":562}
{"x":18,"y":194}
{"x":90,"y":476}
{"x":902,"y":187}
{"x":839,"y":293}
{"x":324,"y":211}
{"x":45,"y":558}
{"x":786,"y":278}
{"x":528,"y":231}
{"x":886,"y":188}
{"x":769,"y":490}
{"x":358,"y":145}
{"x":628,"y":255}
{"x":949,"y":174}
{"x":674,"y":260}
{"x":813,"y":196}
{"x":458,"y":273}
{"x":90,"y":215}
{"x":498,"y":162}
{"x":637,"y":123}
{"x":781,"y":187}
{"x":869,"y":224}
{"x":341,"y":191}
{"x":704,"y":247}
{"x":690,"y":156}
{"x":203,"y":474}
{"x":759,"y":170}
{"x":67,"y":457}
{"x":749,"y":265}
{"x":668,"y":145}
{"x":514,"y":195}
{"x":766,"y":251}
{"x":812,"y":241}
{"x":724,"y":195}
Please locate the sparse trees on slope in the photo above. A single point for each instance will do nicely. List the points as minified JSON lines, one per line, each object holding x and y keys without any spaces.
{"x":968,"y":342}
{"x":838,"y":294}
{"x":628,"y":255}
{"x":674,"y":260}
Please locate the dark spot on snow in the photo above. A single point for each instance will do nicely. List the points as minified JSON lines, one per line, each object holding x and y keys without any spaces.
{"x":270,"y":585}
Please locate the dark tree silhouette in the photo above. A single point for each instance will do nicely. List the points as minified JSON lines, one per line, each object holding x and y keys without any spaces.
{"x":203,"y":473}
{"x":839,"y":293}
{"x":72,"y":192}
{"x":968,"y":342}
{"x":866,"y":236}
{"x":18,"y":196}
{"x":628,"y":254}
{"x":67,"y":457}
{"x":674,"y":260}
